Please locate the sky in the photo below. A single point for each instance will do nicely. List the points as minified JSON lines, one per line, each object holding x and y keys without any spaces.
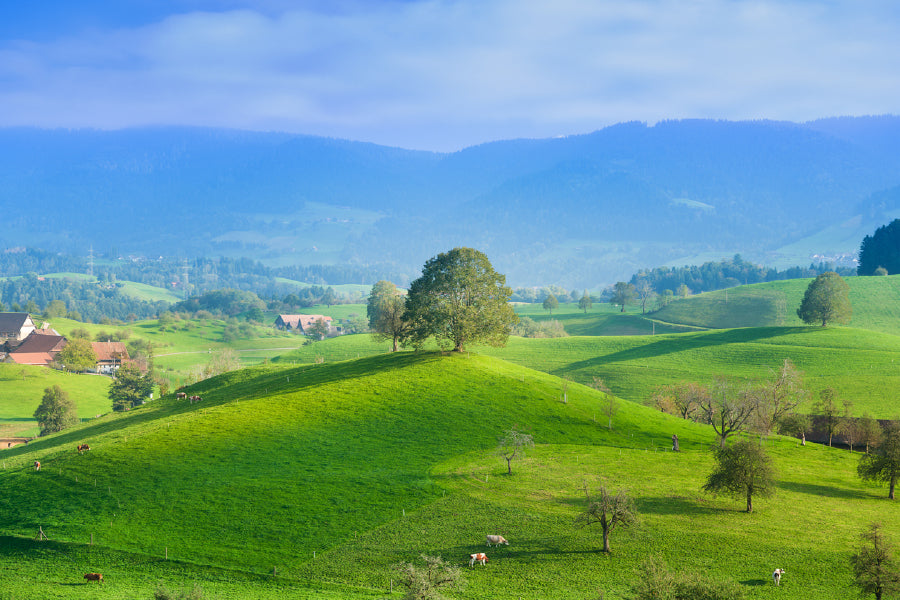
{"x":442,"y":75}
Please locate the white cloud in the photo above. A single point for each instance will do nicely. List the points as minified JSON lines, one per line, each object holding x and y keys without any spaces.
{"x":441,"y":74}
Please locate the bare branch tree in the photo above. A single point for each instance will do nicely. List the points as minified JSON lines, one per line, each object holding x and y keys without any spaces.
{"x":512,"y":446}
{"x":607,"y":510}
{"x":728,"y":408}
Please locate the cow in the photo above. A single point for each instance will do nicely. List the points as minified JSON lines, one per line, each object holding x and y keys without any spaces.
{"x":82,"y":448}
{"x":478,"y":557}
{"x":94,"y":577}
{"x":195,"y":399}
{"x":496,"y":540}
{"x":180,"y":395}
{"x":37,"y":465}
{"x":776,"y":576}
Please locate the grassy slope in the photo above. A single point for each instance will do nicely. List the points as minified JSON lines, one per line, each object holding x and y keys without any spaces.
{"x":875,"y":302}
{"x":278,"y":463}
{"x":601,"y":319}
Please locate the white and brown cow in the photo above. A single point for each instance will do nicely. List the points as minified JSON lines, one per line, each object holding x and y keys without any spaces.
{"x":776,"y":576}
{"x":480,"y":557}
{"x":94,"y":577}
{"x":496,"y":540}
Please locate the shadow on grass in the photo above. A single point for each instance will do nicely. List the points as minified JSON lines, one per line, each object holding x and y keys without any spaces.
{"x":826,"y":491}
{"x":755,"y":582}
{"x":674,"y":505}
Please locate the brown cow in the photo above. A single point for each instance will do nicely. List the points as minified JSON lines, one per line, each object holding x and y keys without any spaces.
{"x":195,"y":399}
{"x":94,"y":577}
{"x":180,"y":396}
{"x":37,"y":465}
{"x":82,"y":448}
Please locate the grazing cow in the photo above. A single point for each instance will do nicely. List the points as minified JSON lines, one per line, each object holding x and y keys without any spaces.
{"x":195,"y":399}
{"x":776,"y":576}
{"x":180,"y":395}
{"x":477,"y":557}
{"x":82,"y":448}
{"x":94,"y":577}
{"x":496,"y":540}
{"x":37,"y":465}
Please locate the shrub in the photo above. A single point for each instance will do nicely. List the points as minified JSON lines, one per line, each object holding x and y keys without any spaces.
{"x":657,"y":582}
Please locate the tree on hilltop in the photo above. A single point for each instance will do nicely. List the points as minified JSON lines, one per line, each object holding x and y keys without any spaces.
{"x":459,"y":299}
{"x":385,"y":310}
{"x":826,"y":300}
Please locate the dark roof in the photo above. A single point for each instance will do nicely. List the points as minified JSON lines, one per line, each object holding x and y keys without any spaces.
{"x":12,"y":321}
{"x":37,"y":342}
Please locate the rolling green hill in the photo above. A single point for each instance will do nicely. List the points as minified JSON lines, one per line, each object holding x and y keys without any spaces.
{"x":327,"y":475}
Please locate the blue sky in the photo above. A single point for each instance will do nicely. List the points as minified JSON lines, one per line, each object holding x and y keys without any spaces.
{"x":442,"y":74}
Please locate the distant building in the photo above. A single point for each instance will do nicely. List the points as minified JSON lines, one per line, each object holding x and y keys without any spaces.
{"x":14,"y":328}
{"x":39,"y":348}
{"x":302,"y":323}
{"x":110,"y":356}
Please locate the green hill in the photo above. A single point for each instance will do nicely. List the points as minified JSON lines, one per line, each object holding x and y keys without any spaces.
{"x":327,"y":475}
{"x":875,"y":301}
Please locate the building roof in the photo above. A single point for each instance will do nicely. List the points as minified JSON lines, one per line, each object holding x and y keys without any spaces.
{"x":110,"y":351}
{"x":31,"y":358}
{"x":12,"y":322}
{"x":303,"y":321}
{"x":40,"y":342}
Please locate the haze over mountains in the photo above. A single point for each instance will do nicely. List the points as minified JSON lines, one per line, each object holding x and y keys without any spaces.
{"x":580,"y":211}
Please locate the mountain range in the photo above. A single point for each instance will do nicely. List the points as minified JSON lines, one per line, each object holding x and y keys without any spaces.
{"x":579,"y":211}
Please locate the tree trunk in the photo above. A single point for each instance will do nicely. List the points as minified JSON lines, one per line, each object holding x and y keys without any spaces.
{"x":509,"y":466}
{"x":891,"y":491}
{"x":749,"y":501}
{"x":803,"y":438}
{"x":606,"y":539}
{"x":395,"y":343}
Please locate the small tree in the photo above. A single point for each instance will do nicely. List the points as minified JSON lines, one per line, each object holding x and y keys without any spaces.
{"x":622,"y":294}
{"x":427,"y":583}
{"x":868,"y":431}
{"x":884,"y":463}
{"x":656,"y":582}
{"x":607,"y":510}
{"x":56,"y":411}
{"x":826,"y":300}
{"x":551,"y":303}
{"x":385,"y":311}
{"x":827,"y":408}
{"x":778,"y":395}
{"x":728,"y":407}
{"x":742,"y":470}
{"x":130,"y":387}
{"x":512,"y":446}
{"x":610,"y":402}
{"x":874,"y":568}
{"x":585,"y":303}
{"x":318,"y":330}
{"x":78,"y":355}
{"x":795,"y":424}
{"x":683,"y":399}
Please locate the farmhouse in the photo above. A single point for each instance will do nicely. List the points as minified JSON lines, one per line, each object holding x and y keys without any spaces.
{"x":303,"y":323}
{"x":14,"y":328}
{"x":39,"y":348}
{"x":110,"y":356}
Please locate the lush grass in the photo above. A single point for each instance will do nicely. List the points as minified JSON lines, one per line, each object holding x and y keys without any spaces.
{"x":370,"y":462}
{"x":601,"y":319}
{"x":23,"y":387}
{"x":875,"y":302}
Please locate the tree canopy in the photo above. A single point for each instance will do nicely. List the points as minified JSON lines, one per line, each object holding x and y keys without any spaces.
{"x":742,"y":470}
{"x":826,"y":300}
{"x":459,"y":299}
{"x":884,"y":463}
{"x":78,"y":355}
{"x":622,"y":294}
{"x":881,"y":249}
{"x":130,"y":387}
{"x":385,"y":310}
{"x":56,"y":411}
{"x":874,"y":567}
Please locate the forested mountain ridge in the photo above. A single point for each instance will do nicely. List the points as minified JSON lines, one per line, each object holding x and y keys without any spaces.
{"x":580,"y":211}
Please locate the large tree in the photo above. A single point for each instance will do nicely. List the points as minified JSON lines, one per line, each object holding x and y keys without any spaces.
{"x":874,"y":567}
{"x":78,"y":355}
{"x":385,"y":310}
{"x":585,"y":303}
{"x":459,"y":299}
{"x":130,"y":387}
{"x":551,"y":302}
{"x":826,"y":300}
{"x":56,"y":411}
{"x":608,"y":511}
{"x":884,"y":463}
{"x":743,"y":469}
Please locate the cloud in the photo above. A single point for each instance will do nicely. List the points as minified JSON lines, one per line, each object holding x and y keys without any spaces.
{"x":441,"y":74}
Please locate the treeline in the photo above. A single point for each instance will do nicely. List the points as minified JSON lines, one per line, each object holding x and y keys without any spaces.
{"x":75,"y":299}
{"x":724,"y":274}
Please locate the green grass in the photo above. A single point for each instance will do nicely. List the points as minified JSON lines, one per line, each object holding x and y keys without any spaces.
{"x":601,"y":319}
{"x":333,"y":473}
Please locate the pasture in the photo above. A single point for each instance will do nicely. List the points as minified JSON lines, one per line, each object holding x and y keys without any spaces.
{"x":312,"y":481}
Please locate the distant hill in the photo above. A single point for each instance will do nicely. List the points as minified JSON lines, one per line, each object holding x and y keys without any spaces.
{"x":580,"y":211}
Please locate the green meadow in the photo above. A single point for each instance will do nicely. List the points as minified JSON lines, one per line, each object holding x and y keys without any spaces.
{"x":315,"y":469}
{"x":313,"y":481}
